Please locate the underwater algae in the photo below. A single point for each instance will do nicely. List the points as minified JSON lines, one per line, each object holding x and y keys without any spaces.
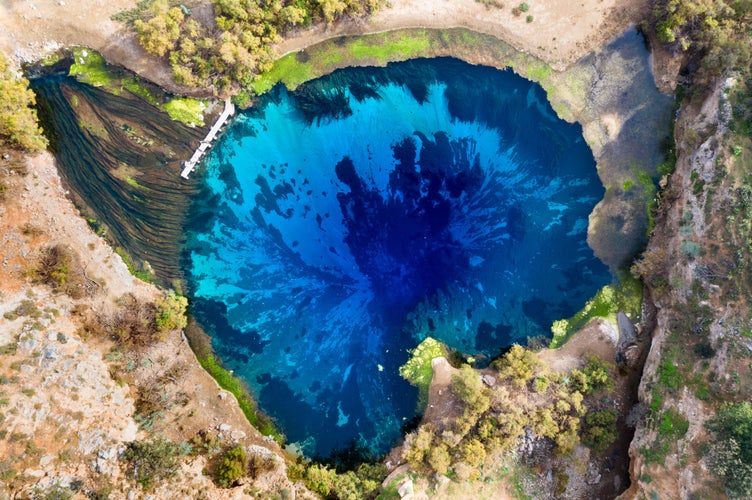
{"x":342,"y":223}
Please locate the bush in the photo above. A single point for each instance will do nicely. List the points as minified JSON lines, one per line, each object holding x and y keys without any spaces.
{"x":60,"y":267}
{"x":731,"y":454}
{"x":234,"y":466}
{"x":518,"y":364}
{"x":595,"y":376}
{"x":153,"y":460}
{"x":599,"y":429}
{"x":170,"y":313}
{"x":470,"y":389}
{"x":18,"y":120}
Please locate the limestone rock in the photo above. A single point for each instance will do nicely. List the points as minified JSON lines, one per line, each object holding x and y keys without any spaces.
{"x":406,"y":490}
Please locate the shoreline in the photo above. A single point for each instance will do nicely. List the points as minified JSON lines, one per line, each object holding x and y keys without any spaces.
{"x":560,"y":34}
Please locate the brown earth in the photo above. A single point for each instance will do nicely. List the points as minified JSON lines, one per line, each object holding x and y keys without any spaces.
{"x":73,"y":398}
{"x":561,"y":33}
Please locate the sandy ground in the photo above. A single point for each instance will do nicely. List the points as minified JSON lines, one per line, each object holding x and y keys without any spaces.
{"x":561,"y":32}
{"x":77,"y":408}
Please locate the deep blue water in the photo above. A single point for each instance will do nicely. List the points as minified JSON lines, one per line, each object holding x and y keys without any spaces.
{"x":342,"y":223}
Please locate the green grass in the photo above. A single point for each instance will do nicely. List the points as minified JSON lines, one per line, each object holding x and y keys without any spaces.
{"x":625,"y":296}
{"x":672,"y":425}
{"x":669,"y":375}
{"x":418,"y":371}
{"x":187,"y":110}
{"x":232,"y":384}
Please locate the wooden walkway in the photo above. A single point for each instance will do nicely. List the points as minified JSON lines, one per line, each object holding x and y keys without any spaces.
{"x":189,"y":165}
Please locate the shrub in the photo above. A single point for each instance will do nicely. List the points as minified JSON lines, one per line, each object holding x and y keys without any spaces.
{"x":731,"y":454}
{"x":170,"y":314}
{"x":18,"y":120}
{"x":152,"y":461}
{"x":518,"y":364}
{"x":60,"y":267}
{"x":524,"y":7}
{"x":599,"y":429}
{"x":673,"y":424}
{"x":470,"y":389}
{"x":234,"y":465}
{"x":595,"y":376}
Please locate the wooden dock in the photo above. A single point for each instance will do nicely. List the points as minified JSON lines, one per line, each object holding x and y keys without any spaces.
{"x":189,"y":165}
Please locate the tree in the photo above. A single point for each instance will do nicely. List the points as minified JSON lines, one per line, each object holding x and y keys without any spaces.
{"x":159,"y":34}
{"x":470,"y":389}
{"x":438,"y":459}
{"x":518,"y":364}
{"x":731,"y":454}
{"x":18,"y":120}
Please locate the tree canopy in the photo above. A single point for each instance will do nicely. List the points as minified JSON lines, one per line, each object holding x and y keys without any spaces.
{"x":718,"y":31}
{"x":239,"y":43}
{"x":18,"y":120}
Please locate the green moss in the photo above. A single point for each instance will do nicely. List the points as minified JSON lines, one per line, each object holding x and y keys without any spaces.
{"x":50,"y":59}
{"x":187,"y":110}
{"x":418,"y":371}
{"x":230,"y":383}
{"x":287,"y":70}
{"x":135,"y":85}
{"x":626,"y":296}
{"x":386,"y":47}
{"x":142,"y":271}
{"x":90,"y":67}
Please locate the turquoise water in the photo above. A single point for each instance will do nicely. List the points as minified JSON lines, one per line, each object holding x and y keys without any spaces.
{"x":341,"y":224}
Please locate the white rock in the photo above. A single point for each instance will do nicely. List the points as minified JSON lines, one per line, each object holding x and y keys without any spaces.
{"x":406,"y":490}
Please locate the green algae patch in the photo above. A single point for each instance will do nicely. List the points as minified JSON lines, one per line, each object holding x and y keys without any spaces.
{"x":625,"y":296}
{"x":90,"y":67}
{"x":186,"y":110}
{"x":289,"y":70}
{"x":385,"y":47}
{"x":200,"y":343}
{"x":418,"y":371}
